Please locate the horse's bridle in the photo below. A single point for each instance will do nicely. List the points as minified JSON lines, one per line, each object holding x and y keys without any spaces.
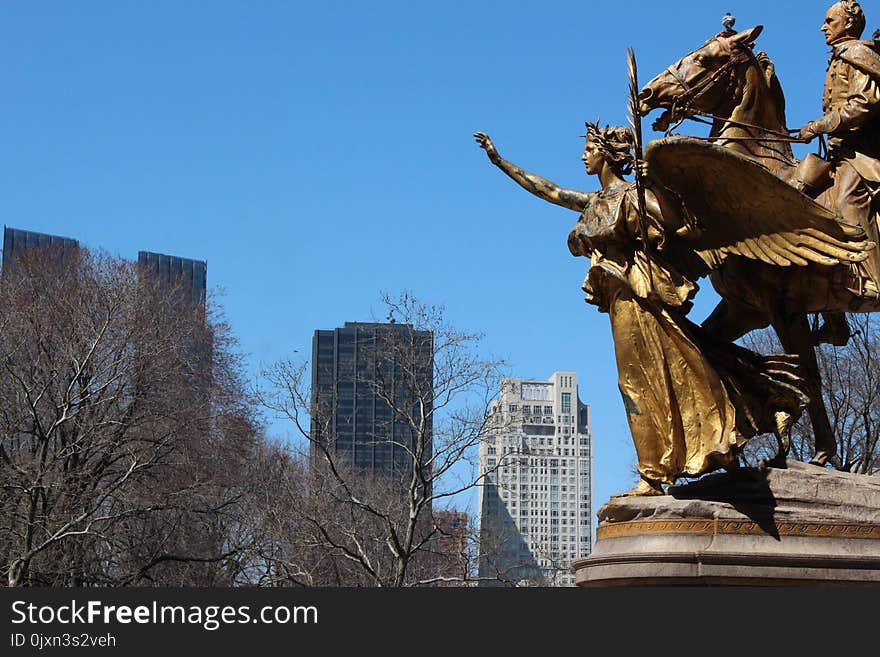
{"x":681,"y":105}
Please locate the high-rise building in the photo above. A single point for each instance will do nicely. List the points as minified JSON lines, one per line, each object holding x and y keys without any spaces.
{"x":536,"y":501}
{"x":183,"y":281}
{"x":17,"y":241}
{"x":186,"y":277}
{"x":366,"y":379}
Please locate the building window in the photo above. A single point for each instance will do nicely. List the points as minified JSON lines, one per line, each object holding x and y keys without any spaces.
{"x":512,"y":408}
{"x":566,"y":402}
{"x":548,"y":410}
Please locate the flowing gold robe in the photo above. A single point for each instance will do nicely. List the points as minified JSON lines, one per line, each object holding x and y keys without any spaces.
{"x":691,"y":401}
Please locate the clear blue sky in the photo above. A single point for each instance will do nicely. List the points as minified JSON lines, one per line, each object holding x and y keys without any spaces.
{"x":317,"y":153}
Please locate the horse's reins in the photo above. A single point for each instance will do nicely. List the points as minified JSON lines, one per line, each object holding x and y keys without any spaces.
{"x":693,"y":93}
{"x":699,"y":117}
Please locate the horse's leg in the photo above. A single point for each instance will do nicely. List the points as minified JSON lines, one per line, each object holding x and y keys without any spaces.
{"x":796,"y":338}
{"x":784,"y":422}
{"x":834,"y":330}
{"x":731,"y":320}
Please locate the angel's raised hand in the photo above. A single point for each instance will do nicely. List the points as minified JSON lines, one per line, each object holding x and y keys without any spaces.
{"x":486,"y":144}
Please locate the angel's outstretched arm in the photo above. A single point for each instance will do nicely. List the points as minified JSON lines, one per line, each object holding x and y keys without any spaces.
{"x":541,"y":187}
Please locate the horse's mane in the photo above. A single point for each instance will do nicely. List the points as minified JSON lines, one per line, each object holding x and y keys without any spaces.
{"x":773,"y":85}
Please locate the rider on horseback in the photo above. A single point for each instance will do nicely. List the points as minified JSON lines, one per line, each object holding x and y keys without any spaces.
{"x":850,"y":103}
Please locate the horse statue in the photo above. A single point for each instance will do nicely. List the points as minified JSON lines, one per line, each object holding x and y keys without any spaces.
{"x":726,"y":84}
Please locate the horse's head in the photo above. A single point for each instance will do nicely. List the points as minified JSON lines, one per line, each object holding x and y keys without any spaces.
{"x":700,"y":81}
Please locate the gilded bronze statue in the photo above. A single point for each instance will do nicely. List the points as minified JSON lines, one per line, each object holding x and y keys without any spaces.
{"x":727,"y":84}
{"x":774,"y":236}
{"x":692,"y":400}
{"x":780,"y":239}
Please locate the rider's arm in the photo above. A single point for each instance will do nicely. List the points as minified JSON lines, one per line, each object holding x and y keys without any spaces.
{"x":862,"y":102}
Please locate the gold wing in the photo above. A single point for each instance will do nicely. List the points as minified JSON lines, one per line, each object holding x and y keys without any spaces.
{"x":743,"y":209}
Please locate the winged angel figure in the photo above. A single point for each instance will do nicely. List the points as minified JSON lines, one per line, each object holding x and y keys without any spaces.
{"x":692,"y":400}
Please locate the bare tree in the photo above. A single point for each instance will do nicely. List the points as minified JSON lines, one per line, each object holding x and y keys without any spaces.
{"x":308,"y":531}
{"x":851,"y":387}
{"x":432,"y":392}
{"x":123,"y":428}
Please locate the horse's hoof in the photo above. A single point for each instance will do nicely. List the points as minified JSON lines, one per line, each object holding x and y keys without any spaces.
{"x":777,"y":462}
{"x":820,"y":459}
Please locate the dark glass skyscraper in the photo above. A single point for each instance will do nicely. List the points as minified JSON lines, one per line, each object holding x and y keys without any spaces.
{"x":16,"y":241}
{"x":370,"y":381}
{"x":183,"y":281}
{"x":186,"y":277}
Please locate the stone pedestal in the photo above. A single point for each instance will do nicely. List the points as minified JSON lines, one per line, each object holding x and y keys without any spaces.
{"x":802,"y":525}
